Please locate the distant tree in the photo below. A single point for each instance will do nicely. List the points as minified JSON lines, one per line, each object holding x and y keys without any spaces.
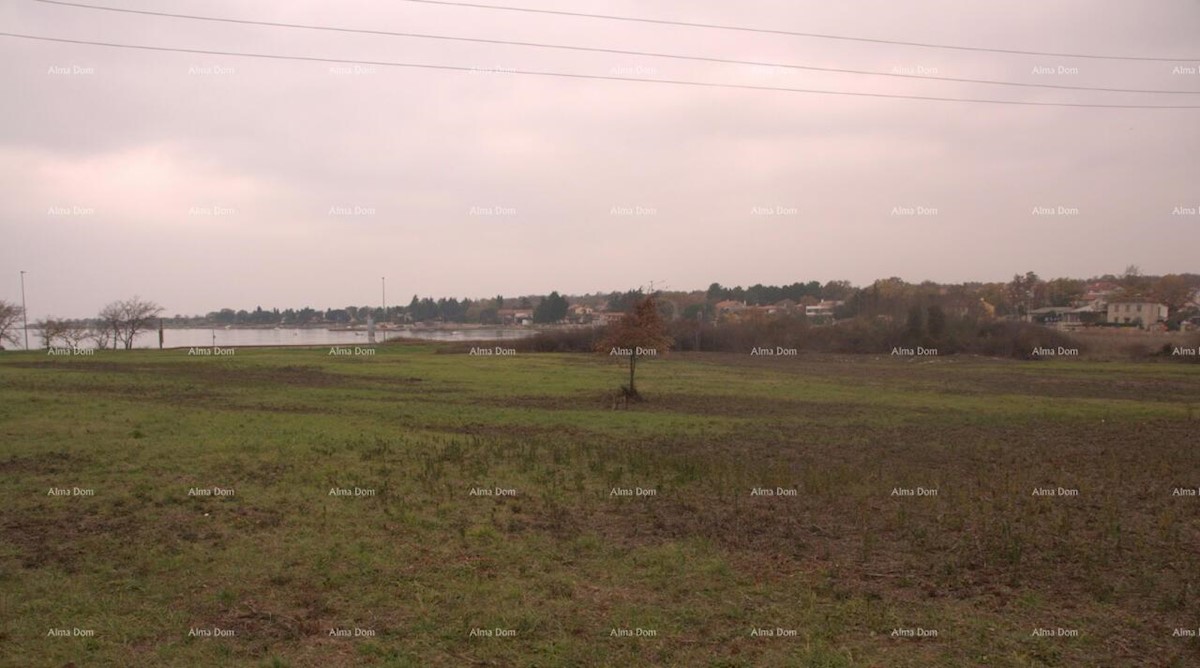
{"x":125,"y":319}
{"x":1063,"y":291}
{"x":69,"y":333}
{"x":624,"y":301}
{"x":639,"y":332}
{"x":1023,"y":292}
{"x":452,"y":310}
{"x":101,"y":335}
{"x":1172,"y":290}
{"x":110,"y":323}
{"x":916,"y":326}
{"x":489,"y":316}
{"x":760,"y":294}
{"x":715,"y":292}
{"x":1134,"y":284}
{"x":837,"y":291}
{"x":49,"y":330}
{"x":695,"y":312}
{"x":551,"y":309}
{"x":138,"y":314}
{"x":935,"y":321}
{"x":10,"y":319}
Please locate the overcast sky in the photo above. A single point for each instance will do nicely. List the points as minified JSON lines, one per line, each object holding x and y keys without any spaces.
{"x":203,"y":181}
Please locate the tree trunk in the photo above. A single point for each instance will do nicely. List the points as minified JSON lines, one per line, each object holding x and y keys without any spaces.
{"x":632,"y":364}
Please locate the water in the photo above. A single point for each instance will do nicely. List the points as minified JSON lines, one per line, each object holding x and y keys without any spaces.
{"x":232,"y":338}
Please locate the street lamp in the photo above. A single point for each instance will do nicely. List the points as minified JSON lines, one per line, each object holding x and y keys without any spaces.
{"x":24,"y":311}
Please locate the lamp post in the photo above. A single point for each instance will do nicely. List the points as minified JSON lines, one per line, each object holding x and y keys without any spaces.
{"x":24,"y":311}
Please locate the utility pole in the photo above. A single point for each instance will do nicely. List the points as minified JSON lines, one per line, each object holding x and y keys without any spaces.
{"x":24,"y":310}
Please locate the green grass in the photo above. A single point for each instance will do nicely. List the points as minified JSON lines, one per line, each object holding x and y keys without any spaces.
{"x":420,"y":562}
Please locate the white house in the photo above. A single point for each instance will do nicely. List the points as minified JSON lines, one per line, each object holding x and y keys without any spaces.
{"x":1143,"y":314}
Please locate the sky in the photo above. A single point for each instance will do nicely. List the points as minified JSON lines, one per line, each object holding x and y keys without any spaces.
{"x":205,"y":181}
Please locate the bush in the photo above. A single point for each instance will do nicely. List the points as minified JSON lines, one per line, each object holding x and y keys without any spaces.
{"x":1018,"y":339}
{"x":870,"y":336}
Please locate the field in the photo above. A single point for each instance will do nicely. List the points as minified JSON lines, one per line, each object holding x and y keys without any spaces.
{"x":413,"y":508}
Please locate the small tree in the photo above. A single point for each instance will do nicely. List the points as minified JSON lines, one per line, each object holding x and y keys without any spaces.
{"x":639,"y":331}
{"x":10,"y":319}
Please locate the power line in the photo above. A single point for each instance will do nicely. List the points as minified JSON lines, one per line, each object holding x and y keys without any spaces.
{"x":647,"y":54}
{"x":790,"y":33}
{"x":595,"y":77}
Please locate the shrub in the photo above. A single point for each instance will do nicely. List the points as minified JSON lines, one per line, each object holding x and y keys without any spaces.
{"x":1018,"y":339}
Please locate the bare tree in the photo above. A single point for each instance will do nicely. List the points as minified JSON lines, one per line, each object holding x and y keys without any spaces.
{"x":51,"y":329}
{"x":102,"y":334}
{"x":138,"y":316}
{"x":10,"y":318}
{"x":126,"y":318}
{"x":110,"y":325}
{"x":74,"y":333}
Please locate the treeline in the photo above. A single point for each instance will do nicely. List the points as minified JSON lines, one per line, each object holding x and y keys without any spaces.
{"x":118,"y":325}
{"x":927,"y":334}
{"x":926,"y":331}
{"x":890,"y":297}
{"x":929,"y":329}
{"x":551,"y":308}
{"x":760,"y":294}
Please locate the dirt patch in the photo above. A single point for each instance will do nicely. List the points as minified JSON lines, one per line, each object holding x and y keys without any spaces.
{"x":44,"y":463}
{"x":62,"y":539}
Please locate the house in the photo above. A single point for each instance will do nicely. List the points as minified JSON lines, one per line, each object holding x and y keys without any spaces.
{"x":1146,"y":315}
{"x":1099,"y":292}
{"x":729,"y":306}
{"x":606,"y":317}
{"x":784,"y":307}
{"x":821,"y":311}
{"x":580,"y":313}
{"x":515,"y":316}
{"x":1068,"y":317}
